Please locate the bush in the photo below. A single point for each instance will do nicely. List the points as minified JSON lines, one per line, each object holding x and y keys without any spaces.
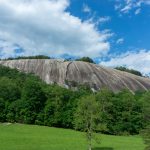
{"x":86,"y":59}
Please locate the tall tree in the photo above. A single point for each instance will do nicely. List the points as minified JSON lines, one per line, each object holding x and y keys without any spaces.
{"x":2,"y":110}
{"x":87,"y":117}
{"x":34,"y":99}
{"x":103,"y":97}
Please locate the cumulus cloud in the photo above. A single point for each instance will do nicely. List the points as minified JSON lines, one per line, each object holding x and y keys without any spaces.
{"x":8,"y":49}
{"x":45,"y":27}
{"x":133,"y":60}
{"x":127,"y":5}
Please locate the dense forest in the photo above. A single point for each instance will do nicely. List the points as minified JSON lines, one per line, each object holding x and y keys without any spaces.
{"x":24,"y":98}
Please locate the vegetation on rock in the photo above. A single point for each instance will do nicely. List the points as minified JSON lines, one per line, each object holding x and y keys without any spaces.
{"x":121,"y":68}
{"x":86,"y":59}
{"x":29,"y":57}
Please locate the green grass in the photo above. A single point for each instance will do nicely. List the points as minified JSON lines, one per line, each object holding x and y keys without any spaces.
{"x":29,"y":137}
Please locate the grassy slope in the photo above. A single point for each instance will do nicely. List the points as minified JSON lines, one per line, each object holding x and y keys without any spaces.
{"x":29,"y":137}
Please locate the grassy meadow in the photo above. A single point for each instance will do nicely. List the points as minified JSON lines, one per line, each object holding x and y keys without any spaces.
{"x":31,"y":137}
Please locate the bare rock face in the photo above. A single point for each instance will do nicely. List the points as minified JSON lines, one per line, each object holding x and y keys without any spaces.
{"x":75,"y":72}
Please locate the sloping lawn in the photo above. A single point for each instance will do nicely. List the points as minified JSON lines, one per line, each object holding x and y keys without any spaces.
{"x":31,"y":137}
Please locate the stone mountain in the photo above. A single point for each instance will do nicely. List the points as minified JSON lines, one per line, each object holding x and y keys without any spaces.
{"x":71,"y":73}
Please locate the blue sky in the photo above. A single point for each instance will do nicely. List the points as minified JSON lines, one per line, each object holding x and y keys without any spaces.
{"x":133,"y":28}
{"x":112,"y":32}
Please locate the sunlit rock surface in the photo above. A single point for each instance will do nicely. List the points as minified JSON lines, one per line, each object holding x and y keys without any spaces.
{"x":71,"y":73}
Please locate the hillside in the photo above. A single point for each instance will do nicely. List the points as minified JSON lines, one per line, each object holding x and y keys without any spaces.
{"x":29,"y":137}
{"x":71,"y":73}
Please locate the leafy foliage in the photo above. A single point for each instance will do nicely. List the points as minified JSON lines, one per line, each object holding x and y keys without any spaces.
{"x":87,"y":117}
{"x":86,"y":59}
{"x":29,"y":57}
{"x":24,"y":98}
{"x":121,"y":113}
{"x":121,"y":68}
{"x":146,"y":110}
{"x":146,"y":137}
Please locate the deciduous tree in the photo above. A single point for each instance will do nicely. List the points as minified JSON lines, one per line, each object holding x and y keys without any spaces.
{"x":87,"y":117}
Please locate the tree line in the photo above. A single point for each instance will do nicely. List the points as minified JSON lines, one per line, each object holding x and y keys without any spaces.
{"x":28,"y":57}
{"x":24,"y":98}
{"x":132,"y":71}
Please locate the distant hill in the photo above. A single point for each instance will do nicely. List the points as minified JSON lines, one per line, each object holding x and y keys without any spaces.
{"x":71,"y":73}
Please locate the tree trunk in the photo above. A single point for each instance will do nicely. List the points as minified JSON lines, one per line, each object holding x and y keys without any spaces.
{"x":90,"y":133}
{"x":90,"y":147}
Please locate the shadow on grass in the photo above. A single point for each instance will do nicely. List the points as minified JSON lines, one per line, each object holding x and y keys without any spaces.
{"x":102,"y":148}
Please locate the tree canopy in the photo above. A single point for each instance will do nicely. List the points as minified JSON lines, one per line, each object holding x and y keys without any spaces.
{"x":146,"y":110}
{"x":86,"y":59}
{"x":121,"y":68}
{"x":87,"y":117}
{"x":24,"y":98}
{"x":29,"y":57}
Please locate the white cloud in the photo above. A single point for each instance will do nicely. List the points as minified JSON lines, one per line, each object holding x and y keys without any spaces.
{"x":8,"y":49}
{"x":104,"y":19}
{"x":45,"y":27}
{"x":133,"y":60}
{"x":138,"y":11}
{"x":127,"y":5}
{"x":126,"y":8}
{"x":120,"y":41}
{"x":86,"y":8}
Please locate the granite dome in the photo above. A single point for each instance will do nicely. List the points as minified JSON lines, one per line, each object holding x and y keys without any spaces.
{"x":70,"y":73}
